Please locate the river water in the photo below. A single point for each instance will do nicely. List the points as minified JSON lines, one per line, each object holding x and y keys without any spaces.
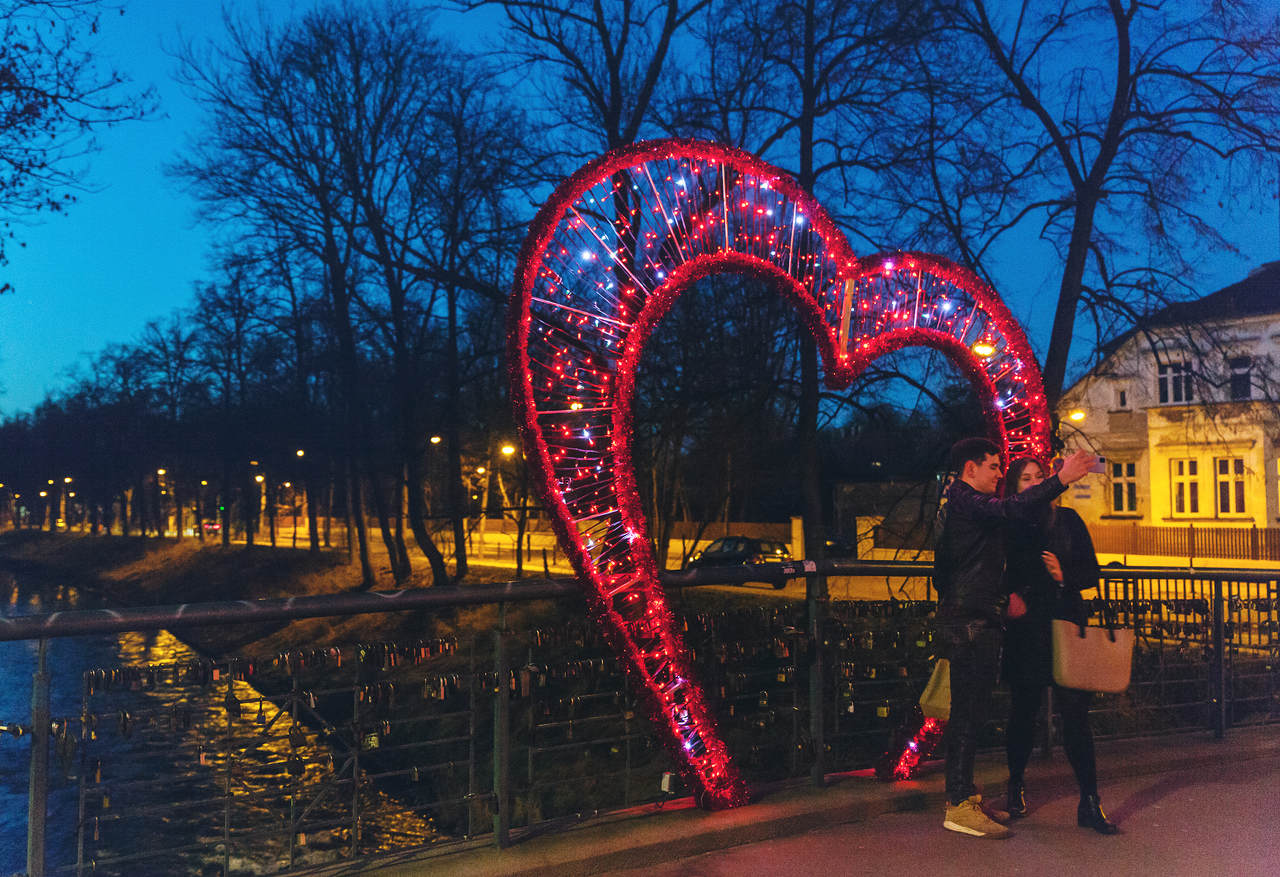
{"x":174,"y":766}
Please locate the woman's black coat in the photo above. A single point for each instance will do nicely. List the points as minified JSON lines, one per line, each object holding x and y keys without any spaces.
{"x":1028,"y":658}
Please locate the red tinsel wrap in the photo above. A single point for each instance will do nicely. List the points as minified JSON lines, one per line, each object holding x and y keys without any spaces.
{"x":605,"y":257}
{"x":918,"y":748}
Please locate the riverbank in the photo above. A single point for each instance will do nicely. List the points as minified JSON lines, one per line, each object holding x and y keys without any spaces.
{"x":137,"y":571}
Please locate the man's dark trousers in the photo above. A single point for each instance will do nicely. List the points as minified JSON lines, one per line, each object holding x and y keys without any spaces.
{"x":973,"y":648}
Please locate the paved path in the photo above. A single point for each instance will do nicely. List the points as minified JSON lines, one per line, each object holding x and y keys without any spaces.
{"x":1186,"y":804}
{"x":1210,"y":820}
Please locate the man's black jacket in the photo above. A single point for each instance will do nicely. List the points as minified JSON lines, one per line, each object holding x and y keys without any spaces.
{"x":970,"y":555}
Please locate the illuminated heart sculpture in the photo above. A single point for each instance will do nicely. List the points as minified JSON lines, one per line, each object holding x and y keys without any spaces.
{"x":606,"y":256}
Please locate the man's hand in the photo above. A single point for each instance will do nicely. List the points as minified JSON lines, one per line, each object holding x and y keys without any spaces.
{"x":1052,"y":564}
{"x":1076,"y":466}
{"x":1017,"y":606}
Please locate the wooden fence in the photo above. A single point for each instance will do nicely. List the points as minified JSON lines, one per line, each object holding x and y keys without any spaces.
{"x":1226,"y":543}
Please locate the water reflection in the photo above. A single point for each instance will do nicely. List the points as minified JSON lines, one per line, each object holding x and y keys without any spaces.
{"x":169,"y":763}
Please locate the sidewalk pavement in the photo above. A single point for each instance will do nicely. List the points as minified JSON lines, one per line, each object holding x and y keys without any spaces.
{"x":644,"y":839}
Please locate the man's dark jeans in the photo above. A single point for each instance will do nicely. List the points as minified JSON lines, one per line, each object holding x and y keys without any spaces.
{"x":973,"y":647}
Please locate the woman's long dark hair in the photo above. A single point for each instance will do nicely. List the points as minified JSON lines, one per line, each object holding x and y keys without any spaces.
{"x":1014,"y":472}
{"x":1041,"y":521}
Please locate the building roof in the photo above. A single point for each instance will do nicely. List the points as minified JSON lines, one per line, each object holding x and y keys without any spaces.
{"x":1258,"y":293}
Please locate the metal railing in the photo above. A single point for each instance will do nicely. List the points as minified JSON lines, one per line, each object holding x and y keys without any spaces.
{"x":336,"y":752}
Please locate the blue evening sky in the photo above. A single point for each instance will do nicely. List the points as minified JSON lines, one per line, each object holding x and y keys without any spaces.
{"x":131,"y":250}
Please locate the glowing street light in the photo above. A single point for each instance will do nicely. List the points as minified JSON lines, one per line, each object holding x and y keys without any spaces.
{"x":1076,"y":416}
{"x":259,"y":478}
{"x":435,"y":440}
{"x":300,"y":452}
{"x":508,"y":450}
{"x":161,"y":471}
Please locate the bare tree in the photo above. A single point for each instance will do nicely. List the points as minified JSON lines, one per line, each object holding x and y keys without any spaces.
{"x":53,"y":96}
{"x":1109,"y":154}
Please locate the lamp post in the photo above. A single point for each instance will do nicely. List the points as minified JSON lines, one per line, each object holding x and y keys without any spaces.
{"x":509,"y":451}
{"x":65,"y":507}
{"x":161,"y":507}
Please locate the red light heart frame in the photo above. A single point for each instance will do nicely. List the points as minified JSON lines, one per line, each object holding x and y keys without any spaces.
{"x":606,"y":256}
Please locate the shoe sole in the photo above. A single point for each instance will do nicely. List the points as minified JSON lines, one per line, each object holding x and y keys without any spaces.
{"x":973,"y":832}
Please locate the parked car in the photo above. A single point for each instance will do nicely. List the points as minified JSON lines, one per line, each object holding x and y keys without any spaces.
{"x":739,"y":550}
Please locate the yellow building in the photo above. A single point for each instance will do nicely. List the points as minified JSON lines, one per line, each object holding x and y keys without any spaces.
{"x":1184,"y":410}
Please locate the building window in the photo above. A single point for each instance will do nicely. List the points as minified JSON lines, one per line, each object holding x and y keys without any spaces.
{"x":1124,"y":487}
{"x":1122,"y":399}
{"x":1241,"y":377}
{"x":1230,"y":480}
{"x":1186,"y":487}
{"x":1174,"y":383}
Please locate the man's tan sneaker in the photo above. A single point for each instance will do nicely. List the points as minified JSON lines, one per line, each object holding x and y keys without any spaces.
{"x":967,"y":818}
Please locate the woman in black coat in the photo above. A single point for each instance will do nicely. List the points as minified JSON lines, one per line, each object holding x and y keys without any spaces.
{"x":1051,"y":560}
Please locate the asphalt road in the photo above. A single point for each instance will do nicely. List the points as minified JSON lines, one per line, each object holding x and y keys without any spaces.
{"x":1212,"y":820}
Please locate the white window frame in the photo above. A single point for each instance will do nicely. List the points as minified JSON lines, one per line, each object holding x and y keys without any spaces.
{"x":1124,"y":486}
{"x":1184,"y":487}
{"x":1173,"y":383}
{"x":1230,"y":487}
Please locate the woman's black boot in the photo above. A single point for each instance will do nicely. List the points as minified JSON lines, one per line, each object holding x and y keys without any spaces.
{"x":1016,"y":800}
{"x":1089,"y":815}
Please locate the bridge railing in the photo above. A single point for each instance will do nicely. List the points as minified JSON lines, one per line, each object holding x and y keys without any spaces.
{"x":519,"y":721}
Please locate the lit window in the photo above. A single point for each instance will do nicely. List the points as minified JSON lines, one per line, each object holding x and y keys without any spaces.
{"x":1124,"y":487}
{"x":1186,"y":487}
{"x":1174,"y":383}
{"x":1230,"y":483}
{"x":1241,"y":377}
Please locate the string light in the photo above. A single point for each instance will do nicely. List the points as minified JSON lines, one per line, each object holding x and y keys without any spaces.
{"x":918,"y":748}
{"x":605,"y":258}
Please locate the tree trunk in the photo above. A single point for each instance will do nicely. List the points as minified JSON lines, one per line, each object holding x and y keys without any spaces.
{"x":313,"y":529}
{"x":1064,"y":317}
{"x":418,"y":523}
{"x":355,"y":518}
{"x":398,"y":572}
{"x":269,"y":499}
{"x":224,"y":502}
{"x":454,"y":477}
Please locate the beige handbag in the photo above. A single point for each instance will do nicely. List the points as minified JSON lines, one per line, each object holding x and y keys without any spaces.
{"x":1091,"y":658}
{"x":935,"y":703}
